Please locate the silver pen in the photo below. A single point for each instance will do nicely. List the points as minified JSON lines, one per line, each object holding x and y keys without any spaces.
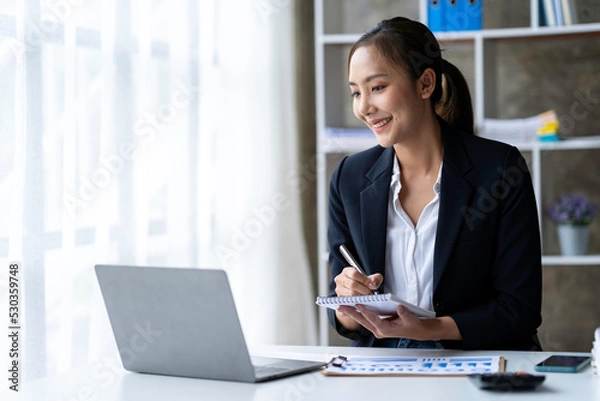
{"x":353,"y":262}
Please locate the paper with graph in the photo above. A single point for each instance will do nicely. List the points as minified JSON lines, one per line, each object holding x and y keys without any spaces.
{"x":414,"y":366}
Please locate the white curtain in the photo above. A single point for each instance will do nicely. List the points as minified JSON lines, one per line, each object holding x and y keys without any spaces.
{"x":153,"y":133}
{"x":247,"y":106}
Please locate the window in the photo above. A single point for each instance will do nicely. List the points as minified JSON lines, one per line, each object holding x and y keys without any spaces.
{"x":149,"y":133}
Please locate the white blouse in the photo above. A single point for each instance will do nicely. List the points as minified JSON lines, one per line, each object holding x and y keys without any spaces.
{"x":410,"y":249}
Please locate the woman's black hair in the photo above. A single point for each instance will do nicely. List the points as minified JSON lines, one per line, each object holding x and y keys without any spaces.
{"x":411,"y":45}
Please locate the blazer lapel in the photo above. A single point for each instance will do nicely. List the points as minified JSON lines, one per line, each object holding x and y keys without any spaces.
{"x":373,"y":211}
{"x":455,"y":195}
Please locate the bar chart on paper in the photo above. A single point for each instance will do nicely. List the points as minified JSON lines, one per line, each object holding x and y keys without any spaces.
{"x":423,"y":366}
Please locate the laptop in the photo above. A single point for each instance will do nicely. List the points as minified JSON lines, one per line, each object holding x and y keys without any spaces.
{"x":183,"y":322}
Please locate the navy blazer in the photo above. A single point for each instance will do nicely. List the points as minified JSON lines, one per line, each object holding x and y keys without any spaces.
{"x":487,"y":260}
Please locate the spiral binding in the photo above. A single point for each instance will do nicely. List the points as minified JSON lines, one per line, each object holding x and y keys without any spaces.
{"x":355,"y":299}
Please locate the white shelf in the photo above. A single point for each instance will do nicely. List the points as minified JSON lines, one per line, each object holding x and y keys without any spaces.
{"x":504,"y":33}
{"x":575,"y":143}
{"x":330,"y":54}
{"x":584,"y":260}
{"x":338,"y":39}
{"x":547,"y":260}
{"x":346,"y":144}
{"x":356,"y":144}
{"x":539,"y":31}
{"x":517,"y":33}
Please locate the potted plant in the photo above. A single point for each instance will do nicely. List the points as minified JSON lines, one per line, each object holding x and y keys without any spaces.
{"x":573,"y":213}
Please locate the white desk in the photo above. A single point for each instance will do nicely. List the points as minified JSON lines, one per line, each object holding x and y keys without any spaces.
{"x":107,"y":382}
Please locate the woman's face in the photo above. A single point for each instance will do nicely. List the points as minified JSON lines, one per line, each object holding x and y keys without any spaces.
{"x":384,"y":97}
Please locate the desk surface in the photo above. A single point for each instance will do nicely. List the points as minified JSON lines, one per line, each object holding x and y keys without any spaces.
{"x":107,"y":381}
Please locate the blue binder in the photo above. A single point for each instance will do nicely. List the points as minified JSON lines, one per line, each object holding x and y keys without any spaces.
{"x":463,"y":15}
{"x":473,"y":10}
{"x":542,"y":13}
{"x":435,"y":14}
{"x":453,"y":20}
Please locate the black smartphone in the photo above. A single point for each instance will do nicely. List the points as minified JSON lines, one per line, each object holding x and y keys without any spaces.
{"x":563,"y":363}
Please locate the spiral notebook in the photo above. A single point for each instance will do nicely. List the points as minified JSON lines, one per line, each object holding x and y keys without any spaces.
{"x":384,"y":304}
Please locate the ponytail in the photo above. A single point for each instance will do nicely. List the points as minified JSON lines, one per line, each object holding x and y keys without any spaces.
{"x":454,"y":105}
{"x":412,"y":46}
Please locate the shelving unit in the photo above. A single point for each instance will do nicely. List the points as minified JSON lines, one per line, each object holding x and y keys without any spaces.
{"x":478,"y":54}
{"x":585,"y":260}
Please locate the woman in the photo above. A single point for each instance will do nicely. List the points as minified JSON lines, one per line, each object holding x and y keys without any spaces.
{"x":436,"y":215}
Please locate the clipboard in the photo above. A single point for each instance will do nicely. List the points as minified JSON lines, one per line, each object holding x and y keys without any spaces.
{"x":432,"y":366}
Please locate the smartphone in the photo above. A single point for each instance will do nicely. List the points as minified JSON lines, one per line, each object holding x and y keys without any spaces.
{"x":563,"y":363}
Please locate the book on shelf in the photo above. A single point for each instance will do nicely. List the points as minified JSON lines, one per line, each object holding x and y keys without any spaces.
{"x":569,"y":12}
{"x":560,"y":20}
{"x":541,"y":14}
{"x":557,"y":12}
{"x":548,"y":11}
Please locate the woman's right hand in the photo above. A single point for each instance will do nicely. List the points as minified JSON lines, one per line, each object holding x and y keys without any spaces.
{"x":351,"y":282}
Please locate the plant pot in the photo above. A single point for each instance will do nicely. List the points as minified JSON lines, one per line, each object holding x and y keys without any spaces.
{"x":573,"y":239}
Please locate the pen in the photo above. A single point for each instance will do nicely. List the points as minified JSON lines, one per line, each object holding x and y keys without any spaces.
{"x":353,"y":262}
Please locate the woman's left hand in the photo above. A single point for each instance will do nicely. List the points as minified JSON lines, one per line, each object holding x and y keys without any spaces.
{"x":405,"y":325}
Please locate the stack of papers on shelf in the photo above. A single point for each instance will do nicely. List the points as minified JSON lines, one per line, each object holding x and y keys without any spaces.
{"x":542,"y":127}
{"x":337,"y":132}
{"x":548,"y":131}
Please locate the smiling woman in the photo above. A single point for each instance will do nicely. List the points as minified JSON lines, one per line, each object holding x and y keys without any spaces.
{"x":415,"y":209}
{"x":384,"y":97}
